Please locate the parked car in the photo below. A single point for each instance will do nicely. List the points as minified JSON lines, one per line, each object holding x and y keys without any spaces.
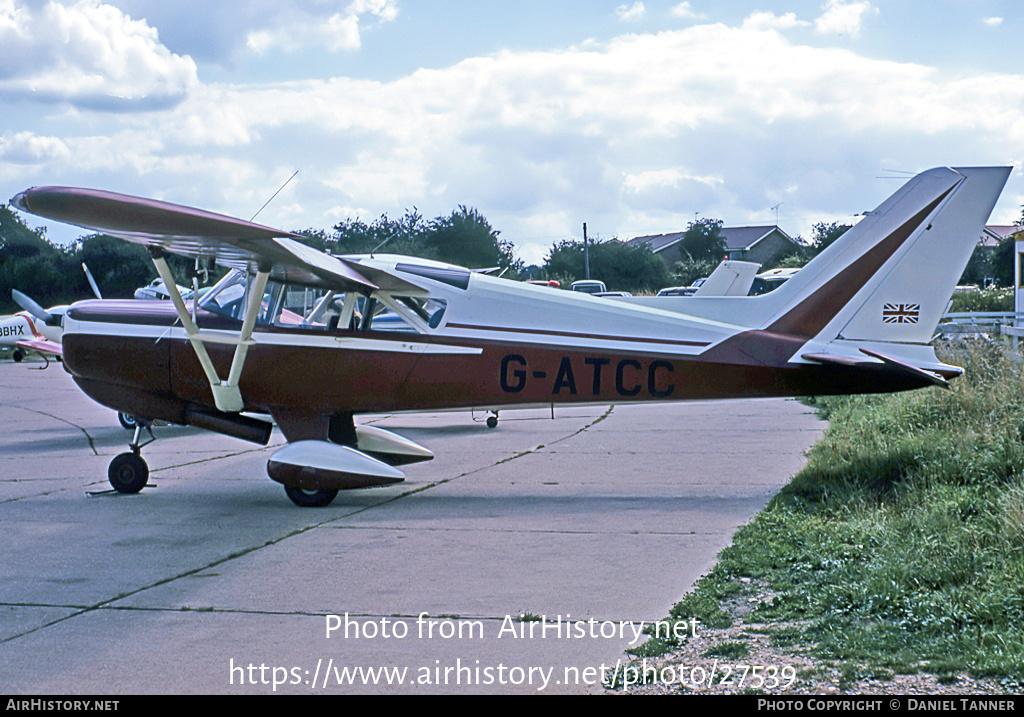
{"x":588,"y":286}
{"x":682,"y":290}
{"x":770,"y":280}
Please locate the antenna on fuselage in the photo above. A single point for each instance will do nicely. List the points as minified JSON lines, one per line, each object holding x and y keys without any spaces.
{"x":274,"y":195}
{"x":374,"y":250}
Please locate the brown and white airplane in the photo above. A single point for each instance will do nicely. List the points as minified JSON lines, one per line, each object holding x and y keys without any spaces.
{"x":313,"y":340}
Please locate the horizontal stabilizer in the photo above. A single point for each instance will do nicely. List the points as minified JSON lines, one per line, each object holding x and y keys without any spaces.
{"x":901,"y":367}
{"x":321,"y":465}
{"x":913,"y":370}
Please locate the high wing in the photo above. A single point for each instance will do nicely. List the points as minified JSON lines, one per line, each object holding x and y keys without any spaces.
{"x":270,"y":254}
{"x":204,"y":235}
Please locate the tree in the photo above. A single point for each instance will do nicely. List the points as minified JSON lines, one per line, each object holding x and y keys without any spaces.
{"x":703,"y":241}
{"x":28,"y":262}
{"x":622,"y":267}
{"x":118,"y":267}
{"x":466,"y":238}
{"x":1002,"y":261}
{"x":401,"y":236}
{"x":16,"y":239}
{"x":684,"y":273}
{"x":825,"y":234}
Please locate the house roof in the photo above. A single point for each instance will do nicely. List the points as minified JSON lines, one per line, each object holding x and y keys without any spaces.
{"x":736,"y":238}
{"x":658,"y":242}
{"x":740,"y":238}
{"x":995,"y":233}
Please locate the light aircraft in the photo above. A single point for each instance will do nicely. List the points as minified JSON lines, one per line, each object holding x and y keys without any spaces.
{"x":390,"y":333}
{"x":730,"y":278}
{"x":33,"y":329}
{"x":156,"y":290}
{"x":43,"y":334}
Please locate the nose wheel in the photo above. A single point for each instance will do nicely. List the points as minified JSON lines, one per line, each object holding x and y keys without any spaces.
{"x":128,"y":472}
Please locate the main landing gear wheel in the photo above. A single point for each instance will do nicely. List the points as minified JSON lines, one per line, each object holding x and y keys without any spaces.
{"x":492,"y":421}
{"x":17,"y":356}
{"x":128,"y":473}
{"x":307,"y":498}
{"x":127,"y":420}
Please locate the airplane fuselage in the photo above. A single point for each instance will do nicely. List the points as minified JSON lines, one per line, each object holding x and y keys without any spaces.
{"x":130,"y":357}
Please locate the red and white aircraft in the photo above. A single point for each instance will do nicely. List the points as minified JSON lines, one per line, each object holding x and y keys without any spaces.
{"x":312,"y":340}
{"x":34,"y":329}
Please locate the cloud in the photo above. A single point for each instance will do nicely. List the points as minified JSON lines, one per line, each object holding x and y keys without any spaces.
{"x":89,"y":54}
{"x":629,"y":13}
{"x":306,"y":28}
{"x":763,"y":20}
{"x":632,"y":136}
{"x":29,"y":148}
{"x":651,"y":127}
{"x":685,"y":11}
{"x":843,"y":17}
{"x":992,"y":21}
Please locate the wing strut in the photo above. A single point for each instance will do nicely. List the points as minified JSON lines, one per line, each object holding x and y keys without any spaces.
{"x":226,"y":395}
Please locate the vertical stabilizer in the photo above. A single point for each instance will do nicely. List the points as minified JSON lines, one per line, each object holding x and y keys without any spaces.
{"x":889,"y":278}
{"x":911,"y":293}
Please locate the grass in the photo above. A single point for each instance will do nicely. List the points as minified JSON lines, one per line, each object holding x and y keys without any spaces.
{"x":900,"y":546}
{"x":991,"y":299}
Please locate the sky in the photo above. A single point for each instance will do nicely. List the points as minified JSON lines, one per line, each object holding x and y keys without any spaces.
{"x":633,"y":117}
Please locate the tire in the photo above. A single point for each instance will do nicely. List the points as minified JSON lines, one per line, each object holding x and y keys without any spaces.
{"x":127,"y":420}
{"x":128,"y":473}
{"x":492,"y":421}
{"x":310,"y":498}
{"x":17,"y":356}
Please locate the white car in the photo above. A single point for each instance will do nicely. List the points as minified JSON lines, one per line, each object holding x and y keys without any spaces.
{"x":589,"y":286}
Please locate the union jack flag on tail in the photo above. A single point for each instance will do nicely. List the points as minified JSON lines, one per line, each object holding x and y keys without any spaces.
{"x":901,"y":313}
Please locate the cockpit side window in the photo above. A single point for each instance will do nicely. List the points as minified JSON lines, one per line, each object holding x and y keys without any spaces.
{"x":311,"y":309}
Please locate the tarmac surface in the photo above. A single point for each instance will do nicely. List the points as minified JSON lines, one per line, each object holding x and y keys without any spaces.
{"x":210,"y":581}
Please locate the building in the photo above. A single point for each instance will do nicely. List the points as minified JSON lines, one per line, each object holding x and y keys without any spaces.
{"x":995,"y":233}
{"x":757,"y":244}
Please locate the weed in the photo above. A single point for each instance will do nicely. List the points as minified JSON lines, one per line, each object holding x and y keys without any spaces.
{"x":653,"y":647}
{"x":729,"y":650}
{"x":900,"y":546}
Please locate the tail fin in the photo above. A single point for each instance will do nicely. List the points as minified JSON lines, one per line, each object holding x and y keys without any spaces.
{"x":889,"y":278}
{"x":730,"y":278}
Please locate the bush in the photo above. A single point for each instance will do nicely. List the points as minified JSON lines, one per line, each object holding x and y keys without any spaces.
{"x":990,"y":299}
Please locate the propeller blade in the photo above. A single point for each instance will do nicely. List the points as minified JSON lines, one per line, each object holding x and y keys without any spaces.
{"x":31,"y":307}
{"x":92,"y":282}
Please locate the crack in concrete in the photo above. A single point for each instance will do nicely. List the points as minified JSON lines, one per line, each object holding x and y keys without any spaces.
{"x":88,"y":438}
{"x":107,"y":604}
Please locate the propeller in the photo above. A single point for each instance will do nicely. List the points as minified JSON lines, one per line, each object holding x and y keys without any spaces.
{"x":31,"y":307}
{"x":92,"y":282}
